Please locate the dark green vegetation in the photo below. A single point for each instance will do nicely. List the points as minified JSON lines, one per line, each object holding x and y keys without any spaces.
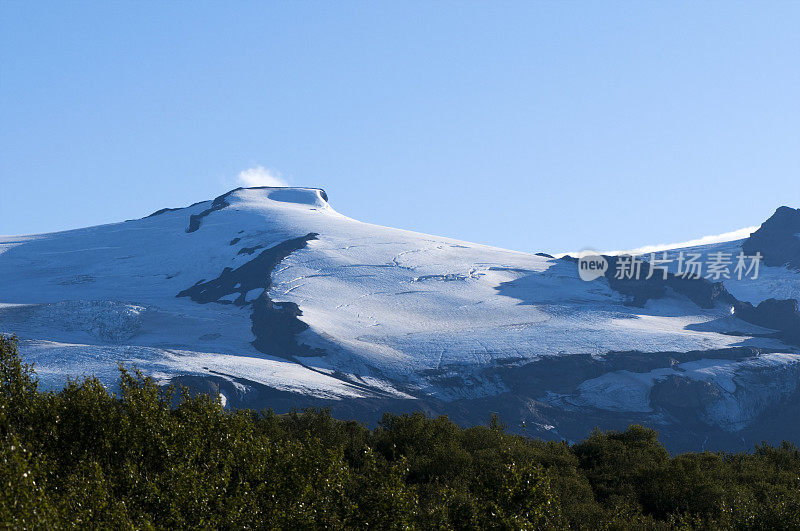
{"x":157,"y":458}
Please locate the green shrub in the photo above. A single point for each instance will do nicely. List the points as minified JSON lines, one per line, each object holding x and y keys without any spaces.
{"x":154,"y":457}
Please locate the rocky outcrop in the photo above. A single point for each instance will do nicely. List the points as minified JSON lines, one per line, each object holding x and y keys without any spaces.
{"x":781,"y":315}
{"x":217,"y":204}
{"x":288,"y":195}
{"x":701,"y":291}
{"x":778,"y":239}
{"x":275,"y":324}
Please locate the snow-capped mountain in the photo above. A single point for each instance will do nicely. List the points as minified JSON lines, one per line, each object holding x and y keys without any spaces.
{"x":276,"y":300}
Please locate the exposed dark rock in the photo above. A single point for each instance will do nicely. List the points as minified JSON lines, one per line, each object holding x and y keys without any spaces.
{"x":222,"y":201}
{"x":777,"y":239}
{"x":640,"y":289}
{"x":217,"y":204}
{"x":165,"y":210}
{"x":162,"y":211}
{"x":235,"y":241}
{"x":275,"y":324}
{"x":682,"y":396}
{"x":703,"y":292}
{"x":535,"y":418}
{"x":780,"y":315}
{"x":562,"y":374}
{"x":250,"y":250}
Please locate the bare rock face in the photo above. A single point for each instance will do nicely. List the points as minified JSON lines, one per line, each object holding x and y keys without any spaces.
{"x":778,"y":239}
{"x":271,"y":298}
{"x":781,"y":315}
{"x":701,"y":291}
{"x":683,"y":394}
{"x":274,"y":324}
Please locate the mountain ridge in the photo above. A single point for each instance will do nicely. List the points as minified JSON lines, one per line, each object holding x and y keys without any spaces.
{"x":275,"y":299}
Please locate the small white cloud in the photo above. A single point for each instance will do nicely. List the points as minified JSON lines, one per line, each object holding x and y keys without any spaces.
{"x":705,"y":240}
{"x":260,"y":176}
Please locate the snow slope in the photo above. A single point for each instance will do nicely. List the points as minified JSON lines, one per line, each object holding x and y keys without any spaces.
{"x":272,"y":289}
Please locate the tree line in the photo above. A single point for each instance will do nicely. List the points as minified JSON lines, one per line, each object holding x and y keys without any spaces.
{"x":151,"y":457}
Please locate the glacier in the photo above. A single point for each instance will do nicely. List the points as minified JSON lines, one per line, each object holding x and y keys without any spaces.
{"x":272,"y":298}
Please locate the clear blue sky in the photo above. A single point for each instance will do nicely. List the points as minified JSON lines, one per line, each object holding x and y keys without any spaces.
{"x":537,"y":126}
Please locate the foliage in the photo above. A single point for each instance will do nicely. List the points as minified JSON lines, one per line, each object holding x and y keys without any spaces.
{"x":153,"y":457}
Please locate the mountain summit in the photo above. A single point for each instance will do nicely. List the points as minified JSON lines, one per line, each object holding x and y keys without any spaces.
{"x":272,"y":298}
{"x":778,"y":239}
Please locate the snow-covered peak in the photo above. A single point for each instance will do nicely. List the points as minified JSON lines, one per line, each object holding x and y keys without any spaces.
{"x":263,"y":200}
{"x":265,"y":195}
{"x":269,"y":294}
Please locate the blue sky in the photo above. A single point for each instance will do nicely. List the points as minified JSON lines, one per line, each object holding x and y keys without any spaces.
{"x":537,"y":126}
